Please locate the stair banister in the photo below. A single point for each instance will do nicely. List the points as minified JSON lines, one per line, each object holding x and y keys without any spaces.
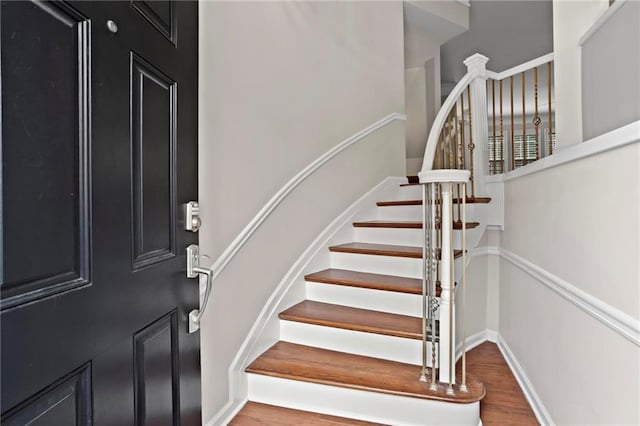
{"x":443,"y":182}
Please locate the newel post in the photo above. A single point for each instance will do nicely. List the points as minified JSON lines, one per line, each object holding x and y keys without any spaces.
{"x":477,"y":66}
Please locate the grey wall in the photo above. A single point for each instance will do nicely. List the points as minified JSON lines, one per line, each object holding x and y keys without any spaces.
{"x":507,"y":32}
{"x":611,"y":73}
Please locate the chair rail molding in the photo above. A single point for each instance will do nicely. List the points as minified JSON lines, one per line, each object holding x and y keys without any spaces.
{"x":618,"y":321}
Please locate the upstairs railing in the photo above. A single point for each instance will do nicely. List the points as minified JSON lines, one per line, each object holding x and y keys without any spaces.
{"x":482,"y":128}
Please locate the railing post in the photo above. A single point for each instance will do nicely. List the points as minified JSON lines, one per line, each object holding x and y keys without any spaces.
{"x":447,"y":314}
{"x":477,"y":66}
{"x":445,"y":180}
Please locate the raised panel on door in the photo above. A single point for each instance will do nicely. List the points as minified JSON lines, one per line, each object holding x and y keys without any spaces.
{"x":45,"y":138}
{"x":156,"y":373}
{"x":160,"y":14}
{"x":66,"y":402}
{"x":153,"y":140}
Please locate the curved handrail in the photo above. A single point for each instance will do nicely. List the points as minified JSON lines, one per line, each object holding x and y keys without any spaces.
{"x":275,"y":201}
{"x":520,"y":68}
{"x":439,"y":121}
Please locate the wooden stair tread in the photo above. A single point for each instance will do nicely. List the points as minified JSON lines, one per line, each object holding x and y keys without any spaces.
{"x":258,"y":414}
{"x":470,"y":200}
{"x":348,"y":318}
{"x":383,"y":250}
{"x":406,"y":224}
{"x":314,"y":365}
{"x":369,"y":281}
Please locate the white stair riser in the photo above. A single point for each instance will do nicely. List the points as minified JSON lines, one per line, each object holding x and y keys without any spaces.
{"x":388,"y":265}
{"x":411,"y":192}
{"x":373,"y":345}
{"x":400,"y":213}
{"x":364,"y":298}
{"x":403,"y":237}
{"x":359,"y":404}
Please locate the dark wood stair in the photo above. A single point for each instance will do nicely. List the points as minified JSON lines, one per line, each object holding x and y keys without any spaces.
{"x":321,"y":366}
{"x":257,"y":414}
{"x":348,"y":318}
{"x":368,"y":280}
{"x":470,"y":200}
{"x":407,"y":224}
{"x":383,"y":250}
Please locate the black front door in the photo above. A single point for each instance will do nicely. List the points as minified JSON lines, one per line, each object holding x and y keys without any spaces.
{"x":99,"y":151}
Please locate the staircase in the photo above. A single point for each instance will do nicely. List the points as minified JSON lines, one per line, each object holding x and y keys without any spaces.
{"x":351,"y":352}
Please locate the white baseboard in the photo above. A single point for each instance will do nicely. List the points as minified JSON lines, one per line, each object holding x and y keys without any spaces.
{"x":475,"y":340}
{"x":543,"y":416}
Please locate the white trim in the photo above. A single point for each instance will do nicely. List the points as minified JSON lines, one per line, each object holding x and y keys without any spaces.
{"x":444,"y":176}
{"x":611,"y":10}
{"x":614,"y":139}
{"x":227,"y":413}
{"x":543,"y":416}
{"x":275,"y":201}
{"x":520,"y":68}
{"x":620,"y":322}
{"x":476,"y":340}
{"x":464,"y":2}
{"x":237,"y":379}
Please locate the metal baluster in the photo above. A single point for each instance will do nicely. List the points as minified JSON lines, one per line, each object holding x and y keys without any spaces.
{"x":462,"y":139}
{"x":524,"y":123}
{"x":513,"y":150}
{"x":536,"y":118}
{"x":502,"y":150}
{"x":426,"y":250}
{"x":434,"y":279}
{"x":492,"y":167}
{"x":471,"y":146}
{"x":550,"y":112}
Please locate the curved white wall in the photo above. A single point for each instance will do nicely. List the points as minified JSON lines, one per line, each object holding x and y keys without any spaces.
{"x":280,"y":84}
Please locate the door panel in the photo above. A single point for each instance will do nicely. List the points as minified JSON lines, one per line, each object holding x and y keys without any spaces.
{"x":157,"y":372}
{"x":99,"y":151}
{"x":46,"y":89}
{"x":153,"y":118}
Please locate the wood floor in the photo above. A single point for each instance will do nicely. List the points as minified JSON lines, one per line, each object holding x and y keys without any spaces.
{"x":504,"y":403}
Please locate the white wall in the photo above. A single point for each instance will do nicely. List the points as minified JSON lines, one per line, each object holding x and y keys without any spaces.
{"x":280,"y":84}
{"x":610,"y":76}
{"x":579,"y":222}
{"x":571,"y":19}
{"x":422,"y":102}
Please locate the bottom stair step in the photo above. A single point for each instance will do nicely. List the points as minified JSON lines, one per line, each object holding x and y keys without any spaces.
{"x":255,"y":414}
{"x":358,"y":387}
{"x":309,"y":364}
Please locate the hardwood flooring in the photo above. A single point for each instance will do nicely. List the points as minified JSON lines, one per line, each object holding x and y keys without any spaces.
{"x":504,"y":403}
{"x":255,"y":414}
